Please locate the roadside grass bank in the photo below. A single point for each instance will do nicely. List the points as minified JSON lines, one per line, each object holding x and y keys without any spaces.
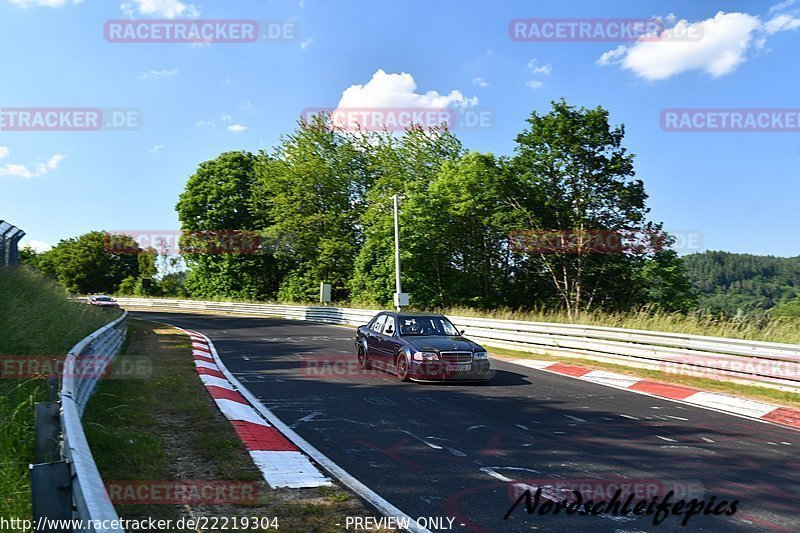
{"x":167,"y":428}
{"x":773,"y":329}
{"x":754,"y":392}
{"x":36,"y":320}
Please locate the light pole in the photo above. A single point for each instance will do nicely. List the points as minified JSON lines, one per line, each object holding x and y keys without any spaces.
{"x":400,"y":299}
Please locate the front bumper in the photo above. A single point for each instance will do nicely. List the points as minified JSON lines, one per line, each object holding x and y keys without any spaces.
{"x":480,"y":370}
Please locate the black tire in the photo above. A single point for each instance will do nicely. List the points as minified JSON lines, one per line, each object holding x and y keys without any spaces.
{"x":363,"y":360}
{"x":401,"y":367}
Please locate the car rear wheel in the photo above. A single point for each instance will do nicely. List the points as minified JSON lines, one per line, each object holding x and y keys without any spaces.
{"x":363,"y":361}
{"x":401,"y":367}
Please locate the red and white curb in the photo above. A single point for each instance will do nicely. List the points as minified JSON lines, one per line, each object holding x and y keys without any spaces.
{"x":710,"y":400}
{"x":280,"y":461}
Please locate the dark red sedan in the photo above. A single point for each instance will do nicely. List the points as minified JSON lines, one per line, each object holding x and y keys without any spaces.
{"x":420,"y":346}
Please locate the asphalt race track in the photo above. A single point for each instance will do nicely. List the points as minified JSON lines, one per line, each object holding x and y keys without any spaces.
{"x":456,"y":451}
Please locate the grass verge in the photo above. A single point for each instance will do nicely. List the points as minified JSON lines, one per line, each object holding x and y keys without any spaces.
{"x":36,"y":319}
{"x":764,"y":394}
{"x":167,"y":428}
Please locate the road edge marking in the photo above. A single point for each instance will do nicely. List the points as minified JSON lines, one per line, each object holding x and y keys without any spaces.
{"x":774,"y":415}
{"x":366,"y":493}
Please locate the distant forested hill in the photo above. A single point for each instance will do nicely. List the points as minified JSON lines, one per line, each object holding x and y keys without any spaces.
{"x":728,"y":282}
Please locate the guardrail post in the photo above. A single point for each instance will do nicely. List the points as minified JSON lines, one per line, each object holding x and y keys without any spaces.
{"x":51,"y":492}
{"x":51,"y":389}
{"x":48,"y":432}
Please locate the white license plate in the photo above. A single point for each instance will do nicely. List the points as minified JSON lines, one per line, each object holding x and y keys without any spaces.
{"x":459,"y":368}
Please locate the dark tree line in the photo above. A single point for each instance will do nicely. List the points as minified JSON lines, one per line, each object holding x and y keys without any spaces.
{"x":85,"y":265}
{"x":730,"y":282}
{"x":322,"y":203}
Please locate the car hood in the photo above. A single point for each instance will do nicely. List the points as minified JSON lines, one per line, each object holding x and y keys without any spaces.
{"x":442,"y":344}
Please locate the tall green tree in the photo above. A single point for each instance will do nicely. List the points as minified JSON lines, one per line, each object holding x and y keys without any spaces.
{"x":453,"y":234}
{"x":573,"y":175}
{"x":406,"y":167}
{"x":218,"y":206}
{"x":312,"y":188}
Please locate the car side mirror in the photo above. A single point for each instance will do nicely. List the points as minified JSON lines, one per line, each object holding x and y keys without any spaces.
{"x":462,"y":331}
{"x":390,"y":332}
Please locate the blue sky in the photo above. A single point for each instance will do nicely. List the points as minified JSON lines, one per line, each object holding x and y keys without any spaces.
{"x":738,"y":190}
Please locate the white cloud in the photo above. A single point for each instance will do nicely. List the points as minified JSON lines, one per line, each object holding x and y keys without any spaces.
{"x":539,"y":69}
{"x":399,"y":91}
{"x":4,"y":151}
{"x":43,"y":3}
{"x":37,"y":246}
{"x":306,"y":43}
{"x":783,"y":5}
{"x":480,"y":82}
{"x":535,"y":84}
{"x":613,"y":56}
{"x":716,"y":46}
{"x":206,"y":124}
{"x":169,"y":9}
{"x":40,"y":169}
{"x":224,"y":117}
{"x":157,"y":148}
{"x":156,"y":74}
{"x":237,"y":128}
{"x":780,"y":23}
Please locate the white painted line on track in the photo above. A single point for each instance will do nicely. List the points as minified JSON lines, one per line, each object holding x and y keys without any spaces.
{"x":708,"y":405}
{"x":205,"y":364}
{"x":729,"y":403}
{"x":288,"y":469}
{"x":369,"y":495}
{"x":239,"y":411}
{"x":216,"y":382}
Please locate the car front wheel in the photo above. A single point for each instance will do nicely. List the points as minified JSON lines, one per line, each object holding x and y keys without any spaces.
{"x":401,"y":367}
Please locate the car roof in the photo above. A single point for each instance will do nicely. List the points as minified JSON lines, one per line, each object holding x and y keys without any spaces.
{"x":412,"y":314}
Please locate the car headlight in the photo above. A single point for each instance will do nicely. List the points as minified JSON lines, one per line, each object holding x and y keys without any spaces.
{"x":481,"y":356}
{"x":426,"y":356}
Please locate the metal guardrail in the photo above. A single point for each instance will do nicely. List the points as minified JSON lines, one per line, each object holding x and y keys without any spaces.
{"x":756,"y":363}
{"x":69,"y":486}
{"x":9,"y":239}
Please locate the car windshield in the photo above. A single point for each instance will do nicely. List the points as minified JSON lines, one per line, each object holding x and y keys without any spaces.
{"x":426,"y":325}
{"x":104,"y":299}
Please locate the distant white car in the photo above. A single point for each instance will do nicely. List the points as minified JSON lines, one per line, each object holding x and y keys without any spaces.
{"x":101,"y":300}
